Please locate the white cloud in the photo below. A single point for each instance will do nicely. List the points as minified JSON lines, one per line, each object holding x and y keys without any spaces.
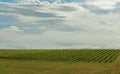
{"x":42,"y":28}
{"x":12,"y":28}
{"x":28,"y":1}
{"x":104,"y":4}
{"x":40,"y":24}
{"x":27,"y":19}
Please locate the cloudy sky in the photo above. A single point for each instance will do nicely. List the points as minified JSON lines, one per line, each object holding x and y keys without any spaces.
{"x":59,"y":24}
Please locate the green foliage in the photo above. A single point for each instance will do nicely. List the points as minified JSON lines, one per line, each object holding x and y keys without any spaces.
{"x":101,"y":56}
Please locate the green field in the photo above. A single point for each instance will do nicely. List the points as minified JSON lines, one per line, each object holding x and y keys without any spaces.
{"x":60,"y":61}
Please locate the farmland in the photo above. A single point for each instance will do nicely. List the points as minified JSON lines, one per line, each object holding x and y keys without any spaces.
{"x":60,"y":61}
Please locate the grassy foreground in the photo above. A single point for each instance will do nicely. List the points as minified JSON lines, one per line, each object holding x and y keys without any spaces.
{"x":30,"y":62}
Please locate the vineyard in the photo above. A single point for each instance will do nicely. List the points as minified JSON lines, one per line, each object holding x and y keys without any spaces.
{"x":100,"y":56}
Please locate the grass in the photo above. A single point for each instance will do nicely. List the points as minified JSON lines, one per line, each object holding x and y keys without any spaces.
{"x":40,"y":67}
{"x":29,"y":62}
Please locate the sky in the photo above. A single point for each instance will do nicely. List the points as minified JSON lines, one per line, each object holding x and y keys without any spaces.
{"x":43,"y":24}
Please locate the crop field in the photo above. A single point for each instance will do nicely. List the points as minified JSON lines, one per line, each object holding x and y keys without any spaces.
{"x":60,"y":61}
{"x":101,"y":56}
